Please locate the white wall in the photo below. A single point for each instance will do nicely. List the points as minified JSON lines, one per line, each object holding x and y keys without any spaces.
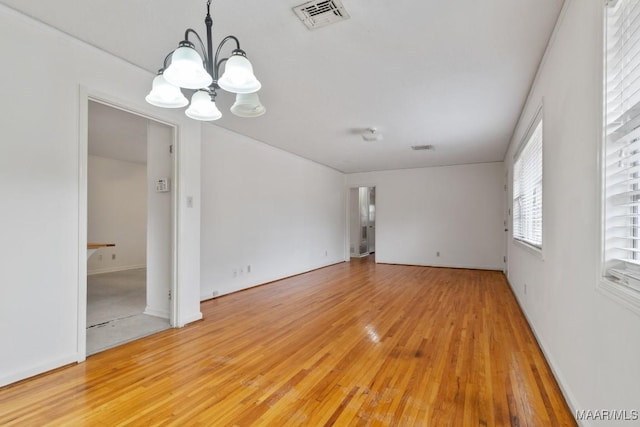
{"x":592,"y":342}
{"x":263,"y":207}
{"x":117,"y":213}
{"x":159,"y":236}
{"x":454,"y":210}
{"x":40,"y":188}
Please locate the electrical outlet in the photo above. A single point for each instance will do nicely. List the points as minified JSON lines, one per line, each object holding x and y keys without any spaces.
{"x":113,"y":256}
{"x":249,"y":268}
{"x":438,"y":253}
{"x":326,"y":253}
{"x":235,"y":272}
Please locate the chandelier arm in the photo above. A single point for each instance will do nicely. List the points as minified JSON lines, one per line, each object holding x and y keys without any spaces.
{"x":219,"y":62}
{"x":217,"y":70}
{"x":166,"y":60}
{"x":202,"y":48}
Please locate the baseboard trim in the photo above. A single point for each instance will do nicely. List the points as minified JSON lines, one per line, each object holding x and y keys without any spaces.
{"x":189,"y":319}
{"x":115,"y":269}
{"x":156,"y":313}
{"x":457,"y":267}
{"x":569,"y":397}
{"x":269,"y":280}
{"x":39,"y":369}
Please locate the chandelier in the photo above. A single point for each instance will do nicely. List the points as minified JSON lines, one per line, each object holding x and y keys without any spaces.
{"x":188,"y":70}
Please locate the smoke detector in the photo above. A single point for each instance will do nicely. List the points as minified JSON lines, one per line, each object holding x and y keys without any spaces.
{"x":319,"y":13}
{"x":372,"y":134}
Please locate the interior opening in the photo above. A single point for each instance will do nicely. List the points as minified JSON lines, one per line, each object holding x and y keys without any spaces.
{"x":362,"y":221}
{"x":129,"y":220}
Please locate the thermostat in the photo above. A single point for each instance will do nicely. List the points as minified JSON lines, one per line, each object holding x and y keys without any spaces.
{"x":163,"y":185}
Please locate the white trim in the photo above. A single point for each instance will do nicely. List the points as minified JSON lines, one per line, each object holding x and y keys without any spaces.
{"x":538,"y":118}
{"x":207,"y":297}
{"x":188,"y":319}
{"x":457,"y":266}
{"x":156,"y":313}
{"x":174,"y":307}
{"x":347,"y":242}
{"x":359,"y":255}
{"x":534,"y":250}
{"x":560,"y":379}
{"x":86,"y":95}
{"x":533,"y":124}
{"x":600,"y":163}
{"x":619,"y":294}
{"x":115,"y":269}
{"x":83,"y":156}
{"x":38,"y":369}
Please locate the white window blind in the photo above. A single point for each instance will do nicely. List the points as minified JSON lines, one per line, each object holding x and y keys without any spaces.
{"x":527,"y":190}
{"x":622,"y":145}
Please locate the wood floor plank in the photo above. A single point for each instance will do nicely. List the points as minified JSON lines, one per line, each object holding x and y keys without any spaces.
{"x":352,"y":344}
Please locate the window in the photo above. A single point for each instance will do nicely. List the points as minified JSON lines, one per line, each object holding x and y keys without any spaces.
{"x":621,"y":157}
{"x":527,"y":189}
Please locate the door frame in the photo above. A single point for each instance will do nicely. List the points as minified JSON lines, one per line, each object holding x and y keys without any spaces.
{"x":87,"y":95}
{"x":508,"y":224}
{"x":347,"y":242}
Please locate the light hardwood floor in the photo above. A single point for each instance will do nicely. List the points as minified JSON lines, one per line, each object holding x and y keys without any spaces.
{"x":351,"y":344}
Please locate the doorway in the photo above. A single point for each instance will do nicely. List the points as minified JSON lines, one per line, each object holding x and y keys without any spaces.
{"x":362,"y":221}
{"x":129,"y":225}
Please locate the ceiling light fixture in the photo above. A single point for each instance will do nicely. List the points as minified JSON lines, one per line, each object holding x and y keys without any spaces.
{"x":188,"y":70}
{"x":372,"y":134}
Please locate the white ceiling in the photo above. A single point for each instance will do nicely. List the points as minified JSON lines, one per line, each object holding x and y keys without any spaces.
{"x":454,"y":74}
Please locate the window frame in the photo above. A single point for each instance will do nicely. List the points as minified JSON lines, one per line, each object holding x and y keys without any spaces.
{"x":537,"y":121}
{"x":618,"y":292}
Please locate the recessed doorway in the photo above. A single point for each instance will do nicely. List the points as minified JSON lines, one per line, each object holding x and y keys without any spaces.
{"x":362,"y":221}
{"x":129,"y":222}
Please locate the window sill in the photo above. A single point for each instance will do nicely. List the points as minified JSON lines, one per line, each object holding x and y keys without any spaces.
{"x":529,"y":248}
{"x":622,"y":295}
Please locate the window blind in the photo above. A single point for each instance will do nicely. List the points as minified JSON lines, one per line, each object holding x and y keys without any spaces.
{"x":622,"y":144}
{"x":527,"y":190}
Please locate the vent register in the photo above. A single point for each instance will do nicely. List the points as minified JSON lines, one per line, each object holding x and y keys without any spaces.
{"x":317,"y":14}
{"x":428,"y":147}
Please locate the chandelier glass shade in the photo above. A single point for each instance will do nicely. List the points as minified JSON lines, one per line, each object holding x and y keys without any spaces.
{"x":185,"y":68}
{"x":238,"y":75}
{"x":164,"y":94}
{"x":248,"y":105}
{"x":203,"y":107}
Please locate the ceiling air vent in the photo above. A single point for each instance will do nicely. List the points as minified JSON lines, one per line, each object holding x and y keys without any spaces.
{"x":318,"y":13}
{"x":422,"y":147}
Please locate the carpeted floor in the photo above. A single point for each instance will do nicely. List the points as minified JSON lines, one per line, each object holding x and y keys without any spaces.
{"x":115,"y":306}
